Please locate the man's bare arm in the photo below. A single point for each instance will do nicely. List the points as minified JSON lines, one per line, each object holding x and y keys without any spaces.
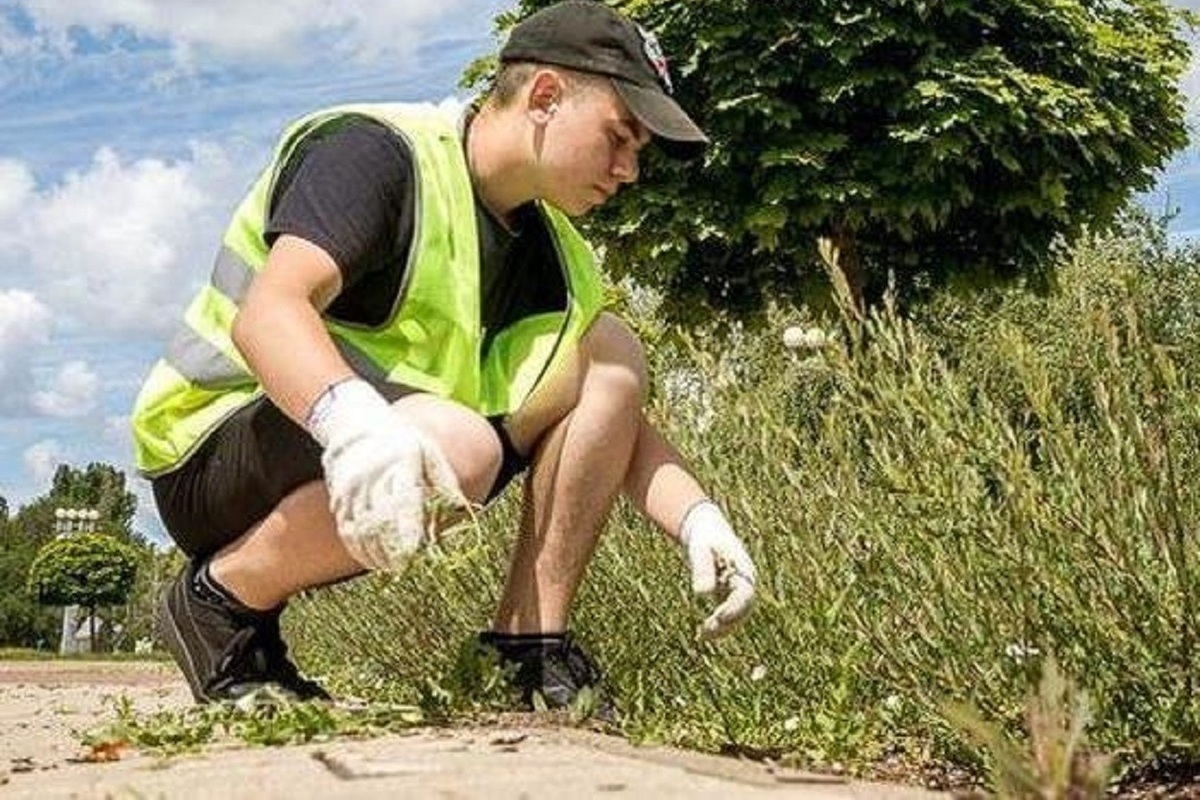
{"x":658,"y":482}
{"x":661,"y":487}
{"x":278,"y":328}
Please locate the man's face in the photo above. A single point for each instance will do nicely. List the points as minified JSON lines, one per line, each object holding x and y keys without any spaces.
{"x":590,"y":148}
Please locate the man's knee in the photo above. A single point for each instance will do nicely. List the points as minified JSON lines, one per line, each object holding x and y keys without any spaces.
{"x":467,"y":440}
{"x":609,"y":364}
{"x":611,"y":345}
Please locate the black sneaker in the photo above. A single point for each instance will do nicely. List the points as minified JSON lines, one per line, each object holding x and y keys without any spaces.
{"x":227,"y":650}
{"x":551,"y":670}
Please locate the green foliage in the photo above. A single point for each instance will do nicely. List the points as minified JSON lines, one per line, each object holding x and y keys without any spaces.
{"x":136,"y":618}
{"x":22,"y":621}
{"x":933,"y":504}
{"x":261,"y":718}
{"x":98,"y":486}
{"x":85,"y":569}
{"x":929,"y":137}
{"x":103,"y":488}
{"x":1056,"y":764}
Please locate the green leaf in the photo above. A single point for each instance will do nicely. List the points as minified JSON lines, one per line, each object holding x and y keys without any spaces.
{"x":874,"y":109}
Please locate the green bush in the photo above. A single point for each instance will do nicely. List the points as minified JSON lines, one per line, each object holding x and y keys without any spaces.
{"x":85,"y":569}
{"x":936,"y":503}
{"x":23,"y":622}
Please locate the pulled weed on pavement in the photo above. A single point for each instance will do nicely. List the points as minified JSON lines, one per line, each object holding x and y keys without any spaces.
{"x":261,"y":718}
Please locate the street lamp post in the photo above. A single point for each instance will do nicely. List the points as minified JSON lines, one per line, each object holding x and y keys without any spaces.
{"x":67,"y":522}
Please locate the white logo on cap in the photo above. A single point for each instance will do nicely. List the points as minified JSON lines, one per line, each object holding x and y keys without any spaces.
{"x":658,"y":59}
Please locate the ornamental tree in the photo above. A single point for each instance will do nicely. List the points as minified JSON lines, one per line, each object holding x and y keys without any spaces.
{"x":85,"y":569}
{"x":926,"y":138}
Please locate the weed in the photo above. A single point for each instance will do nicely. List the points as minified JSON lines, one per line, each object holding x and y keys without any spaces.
{"x":262,"y":718}
{"x":1055,"y":765}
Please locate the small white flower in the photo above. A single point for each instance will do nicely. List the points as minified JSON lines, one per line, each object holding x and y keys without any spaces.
{"x":758,"y":673}
{"x":1020,"y":651}
{"x":893,"y":702}
{"x":797,"y":338}
{"x":791,"y":723}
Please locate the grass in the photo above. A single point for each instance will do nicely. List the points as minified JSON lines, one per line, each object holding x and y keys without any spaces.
{"x":936,"y":502}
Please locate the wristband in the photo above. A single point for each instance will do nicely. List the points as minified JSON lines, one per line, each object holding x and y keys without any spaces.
{"x":347,"y":390}
{"x":695,"y":508}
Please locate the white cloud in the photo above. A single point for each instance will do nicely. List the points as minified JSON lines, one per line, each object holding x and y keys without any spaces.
{"x":147,"y":521}
{"x":25,"y":325}
{"x":23,"y":320}
{"x":241,"y":30}
{"x":42,"y":459}
{"x":16,"y":188}
{"x":1190,"y":84}
{"x":74,"y":393}
{"x":119,"y":246}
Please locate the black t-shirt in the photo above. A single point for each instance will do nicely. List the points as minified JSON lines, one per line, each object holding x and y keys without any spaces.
{"x":349,"y":189}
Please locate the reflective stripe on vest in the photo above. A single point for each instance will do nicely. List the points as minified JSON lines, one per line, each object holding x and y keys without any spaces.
{"x":431,"y":341}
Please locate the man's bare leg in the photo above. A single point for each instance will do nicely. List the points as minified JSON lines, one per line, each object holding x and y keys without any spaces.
{"x":296,"y":546}
{"x":604,"y":444}
{"x":225,"y":649}
{"x":578,"y":468}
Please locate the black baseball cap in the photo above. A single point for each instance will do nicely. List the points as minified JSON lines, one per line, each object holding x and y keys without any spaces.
{"x":588,"y":36}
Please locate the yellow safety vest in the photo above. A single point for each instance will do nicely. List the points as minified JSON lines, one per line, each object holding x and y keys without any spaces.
{"x":432,"y":339}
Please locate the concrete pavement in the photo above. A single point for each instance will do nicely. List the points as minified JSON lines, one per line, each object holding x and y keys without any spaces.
{"x":42,"y":705}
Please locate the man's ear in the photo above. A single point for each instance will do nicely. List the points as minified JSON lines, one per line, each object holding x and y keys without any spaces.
{"x":545,"y":92}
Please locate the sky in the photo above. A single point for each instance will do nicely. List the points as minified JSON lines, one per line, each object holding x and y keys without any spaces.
{"x":131,"y":128}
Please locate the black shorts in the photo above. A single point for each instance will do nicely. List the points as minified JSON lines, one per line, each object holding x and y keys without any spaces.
{"x":247,"y":466}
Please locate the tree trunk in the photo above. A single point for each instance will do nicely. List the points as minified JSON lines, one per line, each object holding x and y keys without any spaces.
{"x":839,"y":255}
{"x":92,"y":630}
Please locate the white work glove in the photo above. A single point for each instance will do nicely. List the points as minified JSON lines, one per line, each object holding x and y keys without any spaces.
{"x":386,"y":480}
{"x":720,"y":566}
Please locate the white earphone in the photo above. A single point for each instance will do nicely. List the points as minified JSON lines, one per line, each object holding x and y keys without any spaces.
{"x":552,"y":108}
